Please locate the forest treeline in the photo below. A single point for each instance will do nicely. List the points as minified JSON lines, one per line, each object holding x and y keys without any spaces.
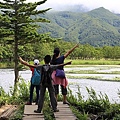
{"x":39,"y":50}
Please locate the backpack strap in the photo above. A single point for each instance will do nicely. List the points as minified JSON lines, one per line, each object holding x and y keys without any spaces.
{"x":46,"y":74}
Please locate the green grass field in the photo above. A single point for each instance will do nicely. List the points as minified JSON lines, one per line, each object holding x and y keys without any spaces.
{"x":94,"y":62}
{"x":74,"y":62}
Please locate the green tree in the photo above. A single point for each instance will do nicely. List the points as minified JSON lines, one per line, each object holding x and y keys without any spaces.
{"x":107,"y":52}
{"x":98,"y":54}
{"x":87,"y":51}
{"x":18,"y":24}
{"x":115,"y":53}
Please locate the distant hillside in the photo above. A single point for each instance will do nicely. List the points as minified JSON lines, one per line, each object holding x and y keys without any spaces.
{"x":98,"y":27}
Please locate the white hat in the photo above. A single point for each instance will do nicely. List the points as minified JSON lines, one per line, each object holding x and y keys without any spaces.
{"x":36,"y":62}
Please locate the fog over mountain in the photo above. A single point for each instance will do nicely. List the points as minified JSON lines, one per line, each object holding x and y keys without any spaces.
{"x":63,"y":5}
{"x":72,"y":8}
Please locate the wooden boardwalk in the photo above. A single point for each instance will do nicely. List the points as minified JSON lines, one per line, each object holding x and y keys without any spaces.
{"x":64,"y":113}
{"x":7,"y":111}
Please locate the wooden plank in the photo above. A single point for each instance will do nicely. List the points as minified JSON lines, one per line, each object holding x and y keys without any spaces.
{"x":4,"y":108}
{"x":6,"y":114}
{"x":29,"y":113}
{"x":29,"y":110}
{"x":33,"y":117}
{"x":64,"y":113}
{"x":66,"y":118}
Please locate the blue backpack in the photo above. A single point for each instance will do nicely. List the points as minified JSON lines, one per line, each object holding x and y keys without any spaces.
{"x":36,"y":78}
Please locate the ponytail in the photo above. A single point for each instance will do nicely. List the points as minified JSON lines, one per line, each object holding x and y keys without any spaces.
{"x":56,"y":54}
{"x":53,"y":59}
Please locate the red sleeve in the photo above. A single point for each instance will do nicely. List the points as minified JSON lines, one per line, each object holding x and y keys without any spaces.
{"x":32,"y":69}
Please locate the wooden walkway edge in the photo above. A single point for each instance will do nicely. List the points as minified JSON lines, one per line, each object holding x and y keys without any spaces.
{"x":7,"y":113}
{"x":64,"y":113}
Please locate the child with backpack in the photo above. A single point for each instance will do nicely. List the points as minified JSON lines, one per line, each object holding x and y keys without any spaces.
{"x":33,"y":83}
{"x":46,"y":82}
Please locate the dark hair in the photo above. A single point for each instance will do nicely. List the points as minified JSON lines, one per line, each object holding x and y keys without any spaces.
{"x":47,"y":59}
{"x":56,"y":53}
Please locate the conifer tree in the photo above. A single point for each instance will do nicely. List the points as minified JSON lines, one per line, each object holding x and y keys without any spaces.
{"x":18,"y":25}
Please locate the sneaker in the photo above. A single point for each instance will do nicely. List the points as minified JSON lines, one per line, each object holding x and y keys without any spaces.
{"x":28,"y":103}
{"x":65,"y":102}
{"x":37,"y":111}
{"x":56,"y":110}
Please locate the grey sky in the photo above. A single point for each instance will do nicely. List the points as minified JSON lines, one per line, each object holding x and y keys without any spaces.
{"x":112,"y":5}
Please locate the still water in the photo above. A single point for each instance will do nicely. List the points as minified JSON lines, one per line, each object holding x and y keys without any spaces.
{"x":106,"y":87}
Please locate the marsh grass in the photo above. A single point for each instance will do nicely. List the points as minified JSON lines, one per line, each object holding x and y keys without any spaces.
{"x":3,"y":97}
{"x":47,"y":109}
{"x":96,"y":71}
{"x":94,"y":62}
{"x":90,"y":72}
{"x":84,"y":77}
{"x":81,"y":72}
{"x":115,"y":79}
{"x":7,"y":65}
{"x":74,"y":62}
{"x":18,"y":113}
{"x":94,"y":106}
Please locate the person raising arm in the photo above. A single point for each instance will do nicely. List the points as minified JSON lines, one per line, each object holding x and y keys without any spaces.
{"x":59,"y":59}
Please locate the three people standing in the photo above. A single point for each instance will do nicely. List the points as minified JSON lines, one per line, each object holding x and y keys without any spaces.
{"x":58,"y":63}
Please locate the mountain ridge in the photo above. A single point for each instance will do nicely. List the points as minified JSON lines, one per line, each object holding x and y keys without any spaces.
{"x":98,"y":27}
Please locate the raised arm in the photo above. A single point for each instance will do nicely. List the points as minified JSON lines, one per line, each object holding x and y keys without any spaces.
{"x":68,"y":63}
{"x":26,"y":63}
{"x":71,"y":50}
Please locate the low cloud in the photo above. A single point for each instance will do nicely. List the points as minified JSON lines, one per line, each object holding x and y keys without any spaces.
{"x":112,"y":5}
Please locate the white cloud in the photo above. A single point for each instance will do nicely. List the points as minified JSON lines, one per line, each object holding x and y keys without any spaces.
{"x":112,"y":5}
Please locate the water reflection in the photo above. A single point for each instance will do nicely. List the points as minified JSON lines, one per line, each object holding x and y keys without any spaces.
{"x":104,"y":76}
{"x":6,"y":78}
{"x":110,"y":88}
{"x":97,"y":68}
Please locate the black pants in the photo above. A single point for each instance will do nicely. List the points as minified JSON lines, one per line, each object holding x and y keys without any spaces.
{"x":51,"y":94}
{"x":64,"y":90}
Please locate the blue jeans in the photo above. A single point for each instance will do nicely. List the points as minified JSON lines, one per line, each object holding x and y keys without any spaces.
{"x":37,"y":92}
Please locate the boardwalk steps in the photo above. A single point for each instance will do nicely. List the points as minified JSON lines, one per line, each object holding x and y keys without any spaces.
{"x":30,"y":115}
{"x":8,"y":112}
{"x":64,"y":113}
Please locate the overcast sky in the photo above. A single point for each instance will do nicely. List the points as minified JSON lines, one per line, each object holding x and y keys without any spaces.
{"x":112,"y":5}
